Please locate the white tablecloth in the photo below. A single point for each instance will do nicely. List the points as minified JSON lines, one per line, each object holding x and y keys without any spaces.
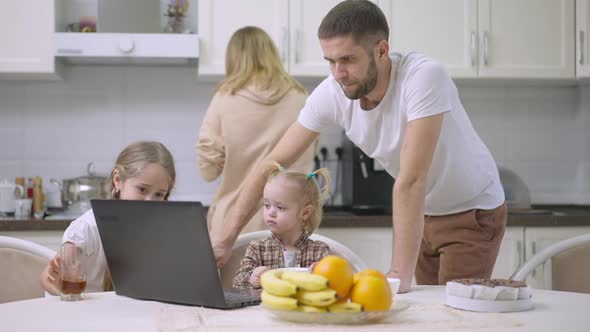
{"x":554,"y":311}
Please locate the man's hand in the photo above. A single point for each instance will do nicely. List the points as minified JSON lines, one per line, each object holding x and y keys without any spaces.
{"x":222,"y":253}
{"x":255,"y":276}
{"x":404,"y":286}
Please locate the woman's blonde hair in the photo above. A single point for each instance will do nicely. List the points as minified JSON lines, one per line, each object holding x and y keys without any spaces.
{"x":130,"y":163}
{"x":252,"y":57}
{"x":312,"y":194}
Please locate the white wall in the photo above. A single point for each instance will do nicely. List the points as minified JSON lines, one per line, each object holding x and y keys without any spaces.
{"x":54,"y":129}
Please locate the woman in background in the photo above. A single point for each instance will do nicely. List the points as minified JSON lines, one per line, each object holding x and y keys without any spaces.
{"x":251,"y":109}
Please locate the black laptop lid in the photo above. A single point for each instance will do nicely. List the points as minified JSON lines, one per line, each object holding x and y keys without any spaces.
{"x":159,"y":250}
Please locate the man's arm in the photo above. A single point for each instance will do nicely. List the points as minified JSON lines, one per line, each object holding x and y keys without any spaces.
{"x":408,"y":195}
{"x":291,"y":146}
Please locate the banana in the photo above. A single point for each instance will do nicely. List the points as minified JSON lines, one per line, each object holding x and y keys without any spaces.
{"x":321,"y":298}
{"x":310,"y":308}
{"x":306,"y":280}
{"x":345,"y":307}
{"x":272,"y":283}
{"x":278,"y":302}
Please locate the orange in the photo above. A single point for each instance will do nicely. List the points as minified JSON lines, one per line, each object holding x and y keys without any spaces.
{"x":339,"y":273}
{"x":373,"y":293}
{"x":367,"y":272}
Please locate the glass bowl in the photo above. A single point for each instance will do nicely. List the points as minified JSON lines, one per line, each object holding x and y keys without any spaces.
{"x":364,"y":317}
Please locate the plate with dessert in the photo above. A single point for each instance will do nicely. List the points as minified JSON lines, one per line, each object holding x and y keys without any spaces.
{"x":489,"y":295}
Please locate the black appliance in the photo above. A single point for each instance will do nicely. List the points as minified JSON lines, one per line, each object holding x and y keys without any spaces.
{"x":366,"y":187}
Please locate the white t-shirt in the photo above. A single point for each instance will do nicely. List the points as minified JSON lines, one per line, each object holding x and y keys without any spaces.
{"x":463,"y":174}
{"x":85,"y":232}
{"x":290,"y":258}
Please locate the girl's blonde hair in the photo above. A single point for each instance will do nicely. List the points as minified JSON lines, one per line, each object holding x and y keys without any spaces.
{"x":312,"y":194}
{"x":132,"y":160}
{"x":130,"y":163}
{"x":252,"y":57}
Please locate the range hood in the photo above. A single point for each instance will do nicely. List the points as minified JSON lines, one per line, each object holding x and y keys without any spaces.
{"x":126,"y":48}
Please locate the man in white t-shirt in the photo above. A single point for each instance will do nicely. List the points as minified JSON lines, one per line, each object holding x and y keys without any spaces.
{"x":404,"y":111}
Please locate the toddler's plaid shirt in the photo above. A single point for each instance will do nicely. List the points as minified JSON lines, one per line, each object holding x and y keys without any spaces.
{"x":269,"y":252}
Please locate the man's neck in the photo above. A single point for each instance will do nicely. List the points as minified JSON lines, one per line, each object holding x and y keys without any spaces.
{"x":373,"y":98}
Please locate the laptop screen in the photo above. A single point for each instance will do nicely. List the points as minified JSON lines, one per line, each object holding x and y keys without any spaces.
{"x":159,"y":250}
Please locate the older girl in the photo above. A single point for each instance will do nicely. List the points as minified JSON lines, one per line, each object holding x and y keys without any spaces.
{"x":143,"y":171}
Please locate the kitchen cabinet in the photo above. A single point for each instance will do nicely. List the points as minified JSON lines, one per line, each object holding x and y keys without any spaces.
{"x":305,"y":54}
{"x":291,"y":24}
{"x":26,"y":32}
{"x":583,"y":38}
{"x":372,"y":244}
{"x":219,"y":19}
{"x":511,"y":254}
{"x":538,"y":238}
{"x":488,"y":38}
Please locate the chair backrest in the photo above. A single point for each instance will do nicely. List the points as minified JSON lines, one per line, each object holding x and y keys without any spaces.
{"x":21,"y":264}
{"x":228,"y":271}
{"x":567,"y":265}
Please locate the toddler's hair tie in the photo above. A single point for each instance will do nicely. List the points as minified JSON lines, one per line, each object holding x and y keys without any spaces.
{"x":310,"y":175}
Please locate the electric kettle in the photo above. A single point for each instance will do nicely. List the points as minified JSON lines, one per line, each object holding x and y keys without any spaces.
{"x":9,"y":192}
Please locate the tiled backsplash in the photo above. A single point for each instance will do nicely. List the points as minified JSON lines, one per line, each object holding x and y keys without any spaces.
{"x":54,"y":129}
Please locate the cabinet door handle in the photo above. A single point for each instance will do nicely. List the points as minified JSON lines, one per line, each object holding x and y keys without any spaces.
{"x":485,"y":48}
{"x":297,"y":44}
{"x":472,"y":50}
{"x":533,"y":252}
{"x":519,"y":253}
{"x":284,"y":44}
{"x":581,"y":36}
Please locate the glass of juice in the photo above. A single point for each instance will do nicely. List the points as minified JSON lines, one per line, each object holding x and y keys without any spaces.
{"x":72,"y":272}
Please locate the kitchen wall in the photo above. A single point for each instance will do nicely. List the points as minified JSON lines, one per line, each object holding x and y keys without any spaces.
{"x":54,"y":129}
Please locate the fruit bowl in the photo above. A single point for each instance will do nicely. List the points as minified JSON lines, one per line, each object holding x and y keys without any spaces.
{"x":364,"y":317}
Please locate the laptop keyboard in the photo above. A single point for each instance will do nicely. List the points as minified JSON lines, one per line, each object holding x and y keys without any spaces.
{"x":241,"y":298}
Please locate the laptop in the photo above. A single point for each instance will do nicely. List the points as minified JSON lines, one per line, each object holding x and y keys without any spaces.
{"x":160,"y":250}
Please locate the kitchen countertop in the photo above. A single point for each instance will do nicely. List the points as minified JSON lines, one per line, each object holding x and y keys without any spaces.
{"x":557,"y":215}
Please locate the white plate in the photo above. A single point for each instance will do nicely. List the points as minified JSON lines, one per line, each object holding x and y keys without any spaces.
{"x":365,"y":317}
{"x":488,"y":305}
{"x":297,"y":269}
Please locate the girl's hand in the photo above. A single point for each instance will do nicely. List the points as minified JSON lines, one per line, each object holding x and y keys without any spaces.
{"x":53,"y":271}
{"x":255,"y":276}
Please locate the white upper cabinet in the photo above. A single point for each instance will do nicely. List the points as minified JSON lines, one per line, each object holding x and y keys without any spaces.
{"x":219,"y":19}
{"x":526,"y":38}
{"x":26,"y":33}
{"x":305,"y":56}
{"x":583,"y":38}
{"x":444,"y":30}
{"x":488,"y":38}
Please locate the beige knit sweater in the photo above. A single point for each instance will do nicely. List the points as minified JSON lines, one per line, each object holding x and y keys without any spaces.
{"x":238,"y":132}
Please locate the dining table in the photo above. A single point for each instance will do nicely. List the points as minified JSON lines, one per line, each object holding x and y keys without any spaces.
{"x":424,"y":309}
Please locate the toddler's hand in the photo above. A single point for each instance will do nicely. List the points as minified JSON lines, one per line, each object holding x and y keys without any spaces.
{"x":255,"y":276}
{"x":310,"y":268}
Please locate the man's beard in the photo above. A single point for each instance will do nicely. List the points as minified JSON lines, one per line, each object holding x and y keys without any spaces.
{"x":367,"y":85}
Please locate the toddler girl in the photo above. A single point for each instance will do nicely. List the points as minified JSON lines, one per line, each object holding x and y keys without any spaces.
{"x":292,"y":211}
{"x":143,"y":171}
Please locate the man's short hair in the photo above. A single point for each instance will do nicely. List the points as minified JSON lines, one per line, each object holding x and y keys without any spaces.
{"x":361,"y":19}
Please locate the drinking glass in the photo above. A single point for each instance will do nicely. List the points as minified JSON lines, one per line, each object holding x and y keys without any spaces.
{"x":72,"y":272}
